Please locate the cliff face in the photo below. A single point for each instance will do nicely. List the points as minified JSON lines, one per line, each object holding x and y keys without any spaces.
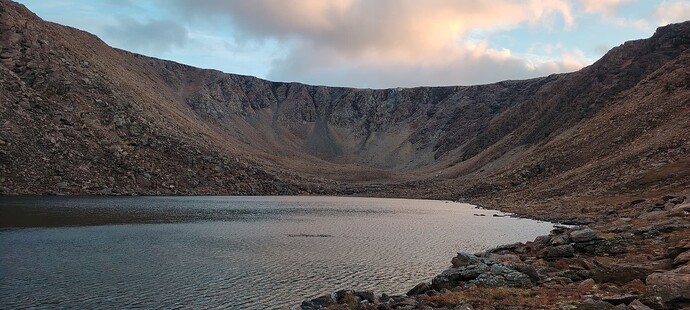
{"x":80,"y":117}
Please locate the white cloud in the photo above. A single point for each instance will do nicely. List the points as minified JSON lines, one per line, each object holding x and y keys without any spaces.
{"x":672,"y":12}
{"x":388,"y":42}
{"x":604,"y":7}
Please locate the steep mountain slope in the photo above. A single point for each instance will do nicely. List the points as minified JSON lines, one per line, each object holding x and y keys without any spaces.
{"x":80,"y":117}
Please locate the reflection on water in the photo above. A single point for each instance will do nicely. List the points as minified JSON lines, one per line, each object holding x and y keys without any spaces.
{"x":236,"y":252}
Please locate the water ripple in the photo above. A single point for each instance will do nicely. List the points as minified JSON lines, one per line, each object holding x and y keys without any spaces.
{"x":231,"y":252}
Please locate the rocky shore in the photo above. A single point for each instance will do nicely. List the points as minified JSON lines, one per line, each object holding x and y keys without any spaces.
{"x":637,"y":261}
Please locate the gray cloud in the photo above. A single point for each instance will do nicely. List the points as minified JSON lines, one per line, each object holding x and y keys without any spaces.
{"x":155,"y":36}
{"x":315,"y":65}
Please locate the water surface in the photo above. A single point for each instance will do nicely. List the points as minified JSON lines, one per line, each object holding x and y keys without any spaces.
{"x":230,"y":252}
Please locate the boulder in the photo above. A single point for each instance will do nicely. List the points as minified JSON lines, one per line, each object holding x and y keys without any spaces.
{"x":464,"y":259}
{"x":682,"y":258}
{"x":502,"y":258}
{"x":599,"y":247}
{"x":559,"y":240}
{"x":319,"y":302}
{"x":682,"y":210}
{"x":672,"y":288}
{"x":553,"y":252}
{"x":527,"y":269}
{"x":500,"y":275}
{"x":621,"y":273}
{"x":638,"y":305}
{"x":419,"y":289}
{"x":584,"y":235}
{"x":620,"y":299}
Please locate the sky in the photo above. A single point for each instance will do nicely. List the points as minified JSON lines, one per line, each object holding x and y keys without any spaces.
{"x":370,"y":43}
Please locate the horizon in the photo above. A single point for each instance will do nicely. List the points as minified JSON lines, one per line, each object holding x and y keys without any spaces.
{"x":354,"y":43}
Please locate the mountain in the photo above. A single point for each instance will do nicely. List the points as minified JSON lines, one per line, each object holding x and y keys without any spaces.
{"x":80,"y":117}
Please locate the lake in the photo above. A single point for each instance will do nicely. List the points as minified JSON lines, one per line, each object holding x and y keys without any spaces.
{"x":231,"y":252}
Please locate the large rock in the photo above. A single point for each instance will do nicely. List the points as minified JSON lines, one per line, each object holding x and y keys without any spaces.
{"x":672,"y":288}
{"x":420,"y":288}
{"x":638,"y":305}
{"x":464,"y":259}
{"x":682,"y":258}
{"x":500,"y":275}
{"x":584,"y":235}
{"x":621,"y":273}
{"x":553,"y":252}
{"x":319,"y":302}
{"x":454,"y":276}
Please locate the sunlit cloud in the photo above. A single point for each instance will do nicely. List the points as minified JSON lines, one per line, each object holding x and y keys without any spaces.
{"x":382,"y":43}
{"x":672,"y":12}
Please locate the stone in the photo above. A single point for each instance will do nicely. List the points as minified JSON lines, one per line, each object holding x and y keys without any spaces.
{"x":620,"y":299}
{"x":635,"y":287}
{"x":584,"y":235}
{"x":621,"y":273}
{"x":591,"y":304}
{"x":502,"y":258}
{"x":682,"y":258}
{"x":553,"y":252}
{"x":588,"y":283}
{"x":319,"y":302}
{"x":681,"y":210}
{"x":464,"y":259}
{"x":419,"y":289}
{"x":454,"y":275}
{"x":599,"y":247}
{"x":559,"y":240}
{"x":143,"y":181}
{"x":638,"y":305}
{"x":366,"y":295}
{"x":685,"y":269}
{"x":670,"y":287}
{"x":527,"y":269}
{"x":500,"y":275}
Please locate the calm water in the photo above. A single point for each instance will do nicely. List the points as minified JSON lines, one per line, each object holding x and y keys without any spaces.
{"x":230,"y":252}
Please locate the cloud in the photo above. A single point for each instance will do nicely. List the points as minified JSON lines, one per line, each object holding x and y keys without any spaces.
{"x":155,"y":36}
{"x":672,"y":12}
{"x":387,"y":42}
{"x":604,"y":7}
{"x":457,"y":65}
{"x":610,"y":10}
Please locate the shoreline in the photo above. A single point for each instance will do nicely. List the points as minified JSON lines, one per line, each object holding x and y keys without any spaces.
{"x":640,"y":260}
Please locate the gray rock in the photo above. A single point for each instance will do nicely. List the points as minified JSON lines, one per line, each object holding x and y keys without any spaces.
{"x":464,"y":259}
{"x":500,"y":275}
{"x":527,"y":269}
{"x":559,"y":240}
{"x":319,"y":302}
{"x":553,"y":252}
{"x":419,"y":289}
{"x":584,"y":235}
